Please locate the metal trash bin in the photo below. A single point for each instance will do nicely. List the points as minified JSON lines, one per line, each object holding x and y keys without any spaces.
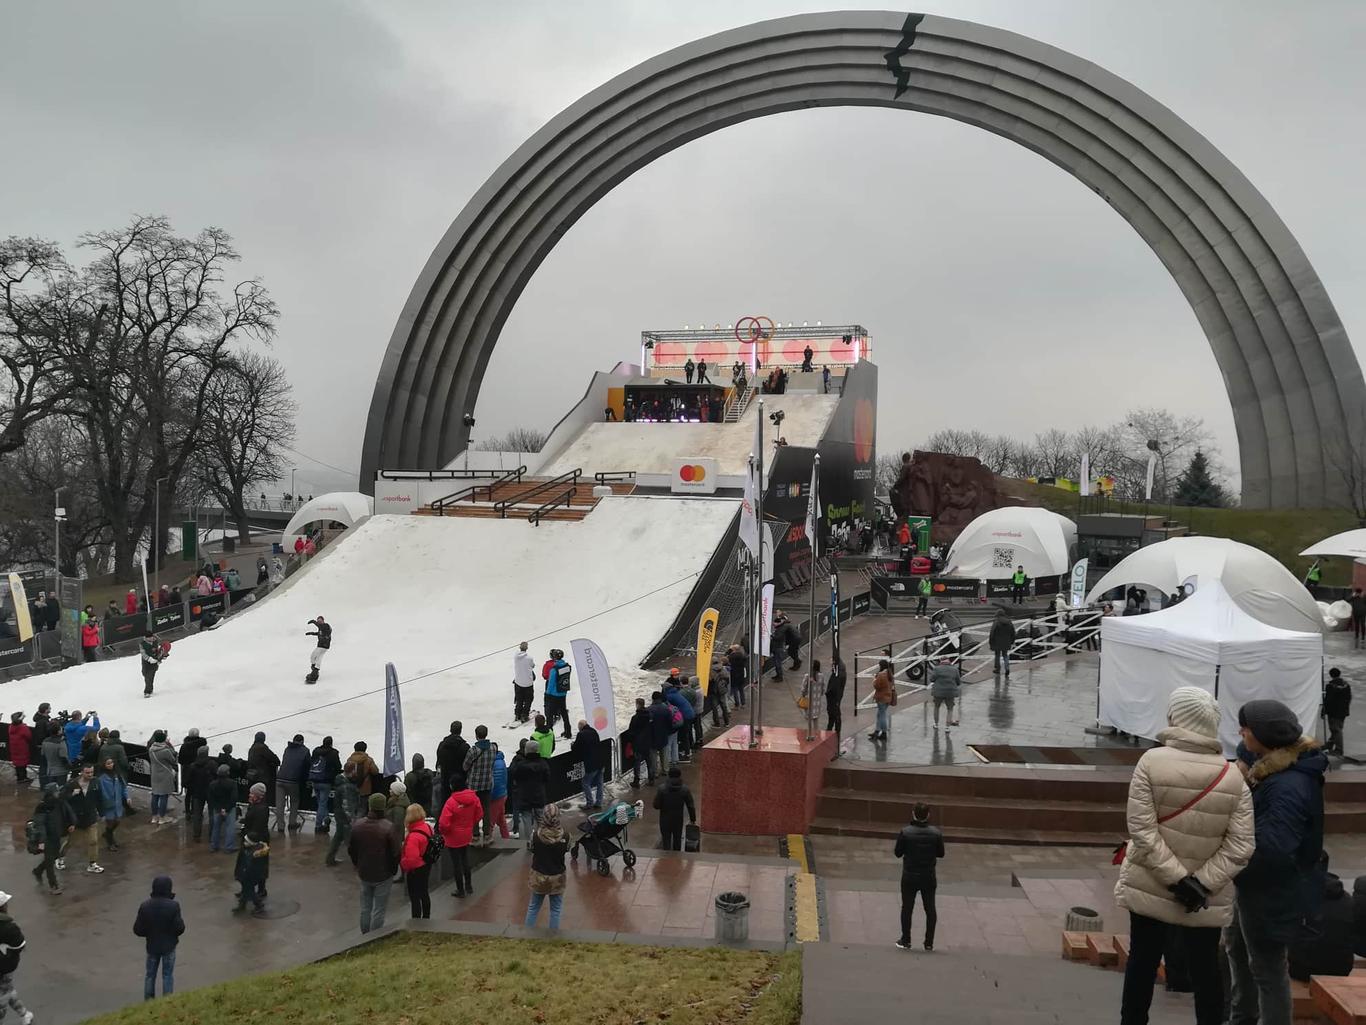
{"x":732,"y":917}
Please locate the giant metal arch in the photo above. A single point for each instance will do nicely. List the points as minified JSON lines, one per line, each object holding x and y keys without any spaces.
{"x":1291,"y":375}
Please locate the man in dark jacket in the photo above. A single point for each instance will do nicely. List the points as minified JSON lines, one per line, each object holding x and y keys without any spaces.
{"x":289,"y":783}
{"x":325,"y":766}
{"x":346,"y":808}
{"x":222,"y":804}
{"x":253,"y":856}
{"x":192,"y":743}
{"x":1000,"y":639}
{"x":1337,"y":706}
{"x":450,"y":759}
{"x":834,"y":694}
{"x":661,"y":729}
{"x":82,"y":796}
{"x":159,"y":922}
{"x":54,"y":819}
{"x":374,"y":850}
{"x":262,"y":765}
{"x":919,"y":846}
{"x":419,"y":783}
{"x":585,"y":750}
{"x":1281,"y":886}
{"x":531,"y":778}
{"x":738,"y":660}
{"x":54,"y":766}
{"x":642,"y":744}
{"x":11,"y":946}
{"x":198,"y":778}
{"x":670,"y":801}
{"x":1358,"y":603}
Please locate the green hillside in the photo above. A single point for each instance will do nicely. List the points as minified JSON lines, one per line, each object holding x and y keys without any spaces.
{"x":1283,"y":533}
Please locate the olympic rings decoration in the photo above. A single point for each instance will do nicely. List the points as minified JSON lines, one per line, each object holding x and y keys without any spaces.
{"x":750,"y":330}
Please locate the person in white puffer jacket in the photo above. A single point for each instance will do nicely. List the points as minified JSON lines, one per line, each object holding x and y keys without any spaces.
{"x":1190,"y":832}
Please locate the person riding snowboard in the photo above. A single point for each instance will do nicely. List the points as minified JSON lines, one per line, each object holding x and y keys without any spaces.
{"x":323,"y":632}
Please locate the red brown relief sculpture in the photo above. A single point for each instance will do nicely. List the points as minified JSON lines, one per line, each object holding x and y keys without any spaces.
{"x":951,"y":490}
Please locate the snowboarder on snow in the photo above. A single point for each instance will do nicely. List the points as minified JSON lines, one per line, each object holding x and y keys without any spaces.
{"x":523,"y":684}
{"x":323,"y":632}
{"x":152,"y":654}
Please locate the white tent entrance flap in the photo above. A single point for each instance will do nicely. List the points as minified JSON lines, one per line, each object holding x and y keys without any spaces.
{"x":1207,"y":641}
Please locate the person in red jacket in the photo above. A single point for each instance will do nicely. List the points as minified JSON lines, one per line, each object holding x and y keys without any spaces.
{"x":130,"y":603}
{"x":90,"y":639}
{"x":416,"y":872}
{"x":20,"y":743}
{"x":457,"y":821}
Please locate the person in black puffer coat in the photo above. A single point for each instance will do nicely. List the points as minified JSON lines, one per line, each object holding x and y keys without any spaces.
{"x":670,"y":801}
{"x":420,"y":783}
{"x":200,"y":774}
{"x":530,"y":777}
{"x":1328,"y":947}
{"x":1282,"y":886}
{"x":191,"y":744}
{"x":12,"y":944}
{"x":919,"y":846}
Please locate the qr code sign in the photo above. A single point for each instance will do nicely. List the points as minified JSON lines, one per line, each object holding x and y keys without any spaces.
{"x":1002,"y":558}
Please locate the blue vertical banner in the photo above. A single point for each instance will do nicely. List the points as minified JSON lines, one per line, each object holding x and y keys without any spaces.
{"x":393,"y":724}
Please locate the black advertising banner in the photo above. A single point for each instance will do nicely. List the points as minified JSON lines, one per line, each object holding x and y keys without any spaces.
{"x":878,"y":592}
{"x":999,"y":588}
{"x":168,"y":618}
{"x":210,"y":602}
{"x":859,"y":604}
{"x":1046,"y":585}
{"x":15,"y":652}
{"x":953,"y":587}
{"x":566,"y":771}
{"x":848,"y":449}
{"x":788,"y":482}
{"x":116,"y":629}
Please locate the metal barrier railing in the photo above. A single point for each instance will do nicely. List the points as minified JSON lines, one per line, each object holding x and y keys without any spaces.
{"x":568,"y":477}
{"x":562,"y":501}
{"x":1036,"y":637}
{"x":470,"y":493}
{"x":614,"y":476}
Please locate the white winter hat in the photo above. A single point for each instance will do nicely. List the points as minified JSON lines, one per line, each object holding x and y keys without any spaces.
{"x":5,"y":898}
{"x":396,"y":788}
{"x":1191,"y":708}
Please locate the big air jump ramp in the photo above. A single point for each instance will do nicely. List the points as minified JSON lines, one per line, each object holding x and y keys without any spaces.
{"x":447,"y":600}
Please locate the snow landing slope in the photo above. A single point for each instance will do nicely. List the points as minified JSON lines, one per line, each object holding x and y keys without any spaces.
{"x":446,"y":600}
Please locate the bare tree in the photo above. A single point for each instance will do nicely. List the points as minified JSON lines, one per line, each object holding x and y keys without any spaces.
{"x":241,"y":443}
{"x":1346,"y":454}
{"x":519,"y":439}
{"x":40,"y":309}
{"x":145,"y":379}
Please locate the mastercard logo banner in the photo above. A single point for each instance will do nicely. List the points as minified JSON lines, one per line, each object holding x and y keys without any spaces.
{"x":696,"y":475}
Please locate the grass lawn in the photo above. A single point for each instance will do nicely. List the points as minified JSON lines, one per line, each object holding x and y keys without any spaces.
{"x":435,"y":979}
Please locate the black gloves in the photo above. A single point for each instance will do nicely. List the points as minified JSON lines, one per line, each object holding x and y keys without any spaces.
{"x":1191,"y":893}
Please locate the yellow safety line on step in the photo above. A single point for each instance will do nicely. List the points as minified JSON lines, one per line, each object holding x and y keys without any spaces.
{"x":808,"y":920}
{"x":796,"y":850}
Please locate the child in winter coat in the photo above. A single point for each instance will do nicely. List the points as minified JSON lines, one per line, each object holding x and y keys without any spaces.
{"x":544,"y":737}
{"x":413,"y":863}
{"x":498,"y":795}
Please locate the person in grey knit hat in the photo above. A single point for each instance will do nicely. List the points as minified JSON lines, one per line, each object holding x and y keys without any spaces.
{"x":1282,"y":883}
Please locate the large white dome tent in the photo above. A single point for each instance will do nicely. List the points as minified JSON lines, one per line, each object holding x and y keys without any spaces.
{"x":1254,"y":580}
{"x":345,"y":507}
{"x":992,"y":545}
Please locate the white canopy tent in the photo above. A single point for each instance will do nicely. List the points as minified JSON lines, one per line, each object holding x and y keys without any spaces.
{"x":344,"y":507}
{"x":1350,"y":543}
{"x":1207,"y":641}
{"x":992,"y":545}
{"x":1256,"y":582}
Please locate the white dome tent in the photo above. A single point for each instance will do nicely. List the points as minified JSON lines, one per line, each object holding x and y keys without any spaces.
{"x":1350,"y":543}
{"x":992,"y":545}
{"x":1211,"y":642}
{"x":1257,"y":583}
{"x":344,"y":507}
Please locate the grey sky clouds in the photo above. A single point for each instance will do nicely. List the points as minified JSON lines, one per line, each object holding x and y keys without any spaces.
{"x":336,"y":142}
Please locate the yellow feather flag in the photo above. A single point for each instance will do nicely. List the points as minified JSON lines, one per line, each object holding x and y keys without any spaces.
{"x":706,"y":640}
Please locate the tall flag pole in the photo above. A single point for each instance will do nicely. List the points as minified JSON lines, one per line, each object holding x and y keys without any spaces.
{"x":757,"y":678}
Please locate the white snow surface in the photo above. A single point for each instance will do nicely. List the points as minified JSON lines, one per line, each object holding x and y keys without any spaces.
{"x":447,"y":600}
{"x":656,"y":448}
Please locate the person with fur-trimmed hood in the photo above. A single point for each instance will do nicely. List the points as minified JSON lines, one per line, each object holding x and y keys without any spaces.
{"x":1190,"y":832}
{"x":1282,"y":884}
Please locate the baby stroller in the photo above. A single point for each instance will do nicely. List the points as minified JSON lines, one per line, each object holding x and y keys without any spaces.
{"x":604,"y":834}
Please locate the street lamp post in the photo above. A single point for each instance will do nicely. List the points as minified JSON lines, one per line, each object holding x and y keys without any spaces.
{"x":156,"y":544}
{"x":58,"y":515}
{"x":293,"y":495}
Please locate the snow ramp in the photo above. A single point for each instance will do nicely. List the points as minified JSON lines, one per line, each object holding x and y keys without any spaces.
{"x":447,"y":600}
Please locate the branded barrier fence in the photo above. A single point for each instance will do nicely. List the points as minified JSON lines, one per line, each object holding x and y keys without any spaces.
{"x":884,"y":588}
{"x":1036,"y":637}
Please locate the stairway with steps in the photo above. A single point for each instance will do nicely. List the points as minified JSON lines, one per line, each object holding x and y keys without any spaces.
{"x":737,"y":408}
{"x":1056,"y":806}
{"x":484,"y":502}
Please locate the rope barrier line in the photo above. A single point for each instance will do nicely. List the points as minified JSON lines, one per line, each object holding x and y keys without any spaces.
{"x":450,"y":668}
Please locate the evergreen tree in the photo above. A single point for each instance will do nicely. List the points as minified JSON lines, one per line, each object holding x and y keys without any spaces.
{"x":1197,"y":486}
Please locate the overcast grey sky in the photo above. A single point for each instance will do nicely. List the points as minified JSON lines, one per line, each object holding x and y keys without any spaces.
{"x":337,"y":140}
